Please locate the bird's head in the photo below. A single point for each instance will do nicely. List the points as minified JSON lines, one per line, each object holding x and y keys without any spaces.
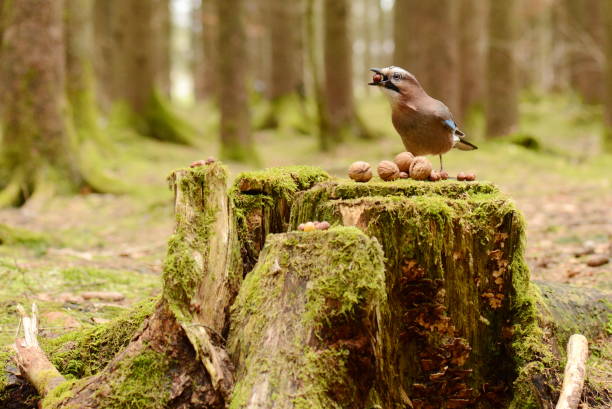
{"x":395,"y":82}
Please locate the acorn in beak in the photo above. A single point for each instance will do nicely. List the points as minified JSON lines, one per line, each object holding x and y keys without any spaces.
{"x":379,"y":78}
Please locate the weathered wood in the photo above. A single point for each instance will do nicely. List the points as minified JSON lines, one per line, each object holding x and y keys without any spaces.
{"x":178,"y":357}
{"x":30,"y":358}
{"x":303,"y":324}
{"x":263,"y":200}
{"x":575,"y":372}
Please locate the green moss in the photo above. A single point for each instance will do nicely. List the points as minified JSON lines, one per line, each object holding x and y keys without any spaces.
{"x":320,"y":372}
{"x":145,"y":383}
{"x":188,"y":248}
{"x":160,"y":121}
{"x":21,"y":237}
{"x":83,"y":353}
{"x":59,"y":395}
{"x":6,"y":352}
{"x":316,"y":280}
{"x":449,"y":229}
{"x":281,"y":182}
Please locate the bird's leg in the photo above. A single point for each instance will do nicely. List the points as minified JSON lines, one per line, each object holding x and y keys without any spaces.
{"x":441,"y":165}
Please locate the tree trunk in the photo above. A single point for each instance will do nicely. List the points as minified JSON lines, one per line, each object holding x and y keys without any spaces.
{"x":608,"y":79}
{"x":79,"y":67}
{"x":313,"y":62}
{"x":38,"y":148}
{"x":162,"y":30}
{"x":340,"y":109}
{"x":285,"y":33}
{"x":176,"y":357}
{"x":585,"y":35}
{"x":139,"y":51}
{"x":103,"y":52}
{"x":286,"y":81}
{"x":236,"y":138}
{"x":472,"y":51}
{"x":420,"y":27}
{"x":401,"y":316}
{"x":502,"y":85}
{"x":312,"y":344}
{"x":205,"y":69}
{"x":340,"y":114}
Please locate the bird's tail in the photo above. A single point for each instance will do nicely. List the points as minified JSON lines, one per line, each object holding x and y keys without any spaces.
{"x":464,"y":145}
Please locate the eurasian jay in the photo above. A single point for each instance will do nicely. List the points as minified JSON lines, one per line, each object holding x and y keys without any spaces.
{"x":425,"y":124}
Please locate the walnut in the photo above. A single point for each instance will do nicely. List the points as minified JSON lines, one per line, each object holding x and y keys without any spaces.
{"x":460,"y":176}
{"x":360,"y":171}
{"x":403,"y":161}
{"x":420,"y":168}
{"x":404,"y":175}
{"x":388,"y":170}
{"x":470,"y":176}
{"x":435,"y":176}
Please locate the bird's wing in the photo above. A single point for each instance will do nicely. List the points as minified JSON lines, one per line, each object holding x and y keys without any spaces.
{"x":444,"y":114}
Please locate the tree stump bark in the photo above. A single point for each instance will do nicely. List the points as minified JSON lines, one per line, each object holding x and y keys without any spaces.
{"x":304,"y":322}
{"x":418,"y":297}
{"x":177,"y":359}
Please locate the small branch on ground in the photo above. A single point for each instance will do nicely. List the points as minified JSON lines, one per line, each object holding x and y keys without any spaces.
{"x":30,"y":358}
{"x":575,"y":372}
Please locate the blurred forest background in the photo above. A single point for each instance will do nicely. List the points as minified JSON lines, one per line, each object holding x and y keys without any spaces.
{"x":101,"y":99}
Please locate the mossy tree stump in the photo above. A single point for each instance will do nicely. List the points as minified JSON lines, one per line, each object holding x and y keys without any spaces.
{"x":423,"y":301}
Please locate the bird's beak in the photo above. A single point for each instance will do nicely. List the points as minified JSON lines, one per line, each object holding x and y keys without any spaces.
{"x":378,"y":71}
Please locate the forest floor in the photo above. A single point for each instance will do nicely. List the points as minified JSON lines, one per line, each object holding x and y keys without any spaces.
{"x":101,"y":242}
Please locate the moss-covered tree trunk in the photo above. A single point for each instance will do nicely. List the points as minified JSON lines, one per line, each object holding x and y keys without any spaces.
{"x":38,"y":146}
{"x":176,"y":358}
{"x":80,"y":77}
{"x":140,"y":47}
{"x":502,"y":75}
{"x":236,"y":138}
{"x":304,"y":323}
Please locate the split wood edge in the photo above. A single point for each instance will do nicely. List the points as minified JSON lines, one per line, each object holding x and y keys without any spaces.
{"x":575,"y":372}
{"x":31,"y":359}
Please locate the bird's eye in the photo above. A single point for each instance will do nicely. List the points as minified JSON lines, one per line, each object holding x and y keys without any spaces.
{"x":396,"y":76}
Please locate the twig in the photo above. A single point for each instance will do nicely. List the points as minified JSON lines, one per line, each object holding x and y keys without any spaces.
{"x":575,"y":372}
{"x":31,"y":359}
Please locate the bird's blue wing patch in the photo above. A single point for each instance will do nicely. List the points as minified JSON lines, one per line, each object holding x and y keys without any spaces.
{"x":451,"y":124}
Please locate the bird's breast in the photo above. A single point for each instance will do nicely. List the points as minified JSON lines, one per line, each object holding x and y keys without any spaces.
{"x":422,"y":135}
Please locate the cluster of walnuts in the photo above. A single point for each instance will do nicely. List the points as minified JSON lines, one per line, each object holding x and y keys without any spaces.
{"x":404,"y":166}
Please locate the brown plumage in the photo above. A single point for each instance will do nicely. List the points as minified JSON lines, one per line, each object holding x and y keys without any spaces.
{"x":425,"y":124}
